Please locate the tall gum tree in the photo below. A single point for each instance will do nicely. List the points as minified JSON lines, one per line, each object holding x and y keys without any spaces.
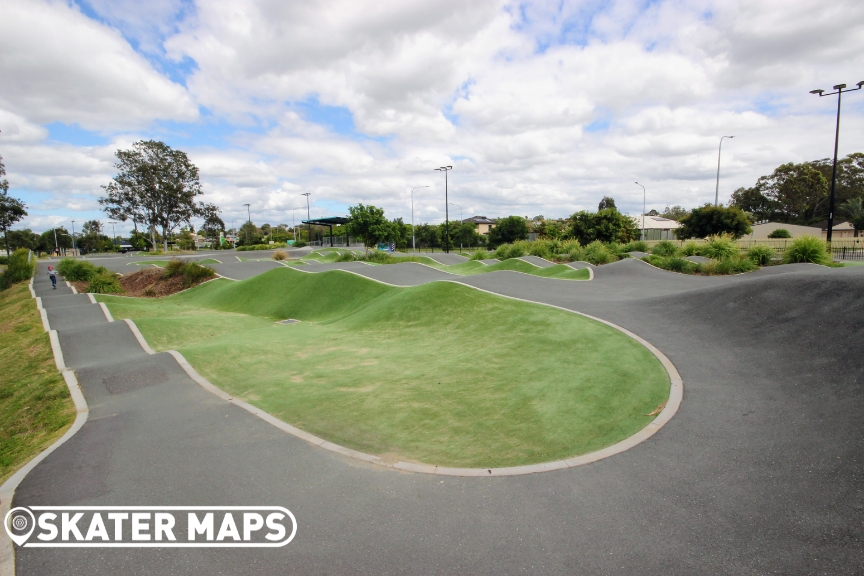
{"x":157,"y":186}
{"x":11,"y":209}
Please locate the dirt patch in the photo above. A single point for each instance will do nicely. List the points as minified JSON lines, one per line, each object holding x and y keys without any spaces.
{"x":149,"y":283}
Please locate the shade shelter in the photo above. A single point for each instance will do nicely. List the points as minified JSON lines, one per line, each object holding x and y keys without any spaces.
{"x":330,"y":222}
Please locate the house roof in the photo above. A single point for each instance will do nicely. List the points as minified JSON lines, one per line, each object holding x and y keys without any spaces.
{"x":837,"y":225}
{"x":478,"y":220}
{"x":656,"y":223}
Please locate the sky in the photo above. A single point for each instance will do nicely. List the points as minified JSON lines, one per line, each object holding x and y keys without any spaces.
{"x":542,"y":108}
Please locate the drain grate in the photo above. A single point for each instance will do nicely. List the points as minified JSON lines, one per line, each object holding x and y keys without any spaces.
{"x":288,"y":321}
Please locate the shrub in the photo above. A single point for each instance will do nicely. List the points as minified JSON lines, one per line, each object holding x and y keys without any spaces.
{"x":637,"y":246}
{"x":19,"y":268}
{"x":734,"y":265}
{"x":4,"y":260}
{"x":193,"y":273}
{"x":673,"y":264}
{"x":346,"y":257}
{"x":299,"y":244}
{"x":710,"y":220}
{"x":807,"y":248}
{"x":780,"y":233}
{"x":173,"y":268}
{"x":541,"y":249}
{"x":596,"y":253}
{"x":261,"y":246}
{"x":280,"y":255}
{"x":481,"y":255}
{"x":720,"y":247}
{"x":104,"y":282}
{"x":665,"y":248}
{"x":760,"y":255}
{"x":691,"y":249}
{"x":76,"y":270}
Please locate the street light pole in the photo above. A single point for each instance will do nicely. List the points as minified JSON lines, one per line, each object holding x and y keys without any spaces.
{"x":74,"y":249}
{"x":839,"y":91}
{"x":446,"y":169}
{"x":114,"y":238}
{"x":460,"y":223}
{"x":717,"y":186}
{"x":249,"y":214}
{"x":413,"y":237}
{"x":644,"y":194}
{"x":308,"y":217}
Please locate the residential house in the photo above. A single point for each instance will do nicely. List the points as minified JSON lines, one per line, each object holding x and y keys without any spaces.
{"x":482,"y":224}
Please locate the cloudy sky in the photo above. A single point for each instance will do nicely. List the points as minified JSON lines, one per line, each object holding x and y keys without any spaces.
{"x":541,"y":107}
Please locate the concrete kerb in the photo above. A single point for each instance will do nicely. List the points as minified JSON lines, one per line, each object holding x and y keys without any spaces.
{"x":58,"y":353}
{"x":106,"y":312}
{"x":676,"y":396}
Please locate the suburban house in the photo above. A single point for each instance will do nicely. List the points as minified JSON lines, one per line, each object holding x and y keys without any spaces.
{"x":841,"y":231}
{"x":482,"y":224}
{"x":761,"y":230}
{"x":656,"y":227}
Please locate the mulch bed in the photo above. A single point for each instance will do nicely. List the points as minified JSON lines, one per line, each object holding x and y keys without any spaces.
{"x":147,"y":283}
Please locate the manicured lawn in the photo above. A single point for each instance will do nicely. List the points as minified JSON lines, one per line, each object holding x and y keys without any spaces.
{"x":439,"y":373}
{"x":559,"y":271}
{"x":35,"y":406}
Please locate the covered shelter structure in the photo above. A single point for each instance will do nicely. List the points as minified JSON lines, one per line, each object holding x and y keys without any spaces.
{"x":329,"y":222}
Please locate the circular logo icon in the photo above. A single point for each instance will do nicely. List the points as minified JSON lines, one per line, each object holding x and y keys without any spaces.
{"x":19,"y":524}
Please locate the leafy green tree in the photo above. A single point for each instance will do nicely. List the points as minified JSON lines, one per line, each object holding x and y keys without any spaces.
{"x":853,"y":209}
{"x":427,"y":236}
{"x":850,"y":180}
{"x":369,"y":224}
{"x":249,"y":235}
{"x":710,"y":220}
{"x":11,"y":209}
{"x":401,"y":233}
{"x":23,"y":239}
{"x":674,"y":212}
{"x":606,"y":203}
{"x":752,"y":201}
{"x":155,"y":185}
{"x":796,"y":191}
{"x":465,"y":234}
{"x":48,"y":238}
{"x":508,"y":230}
{"x":185,"y":239}
{"x":211,"y":229}
{"x":606,"y":226}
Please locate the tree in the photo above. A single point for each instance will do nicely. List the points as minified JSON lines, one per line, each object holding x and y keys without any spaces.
{"x":401,"y":233}
{"x":752,"y":201}
{"x":606,"y":203}
{"x":795,"y":191}
{"x":368,"y":224}
{"x":508,"y":230}
{"x":427,"y":236}
{"x":249,"y":235}
{"x":465,"y":234}
{"x":710,"y":220}
{"x":54,"y":238}
{"x":606,"y":226}
{"x":212,"y":228}
{"x":674,"y":212}
{"x":11,"y":209}
{"x":23,"y":239}
{"x":853,"y":209}
{"x":652,"y":212}
{"x":157,"y":186}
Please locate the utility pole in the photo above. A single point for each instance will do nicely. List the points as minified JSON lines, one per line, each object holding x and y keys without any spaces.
{"x":74,"y":250}
{"x":644,"y":194}
{"x":717,"y":186}
{"x":446,"y":169}
{"x":249,"y":213}
{"x":839,"y":91}
{"x":308,"y":217}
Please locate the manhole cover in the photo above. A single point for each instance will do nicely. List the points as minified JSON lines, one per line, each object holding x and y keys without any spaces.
{"x":288,"y":321}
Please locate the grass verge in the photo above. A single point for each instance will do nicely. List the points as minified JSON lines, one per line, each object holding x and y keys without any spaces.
{"x":438,"y":373}
{"x":35,"y":406}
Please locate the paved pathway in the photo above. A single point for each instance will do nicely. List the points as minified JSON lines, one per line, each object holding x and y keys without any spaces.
{"x":759,"y":472}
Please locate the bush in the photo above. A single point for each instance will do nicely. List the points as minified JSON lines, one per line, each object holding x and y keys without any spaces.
{"x":597,"y":253}
{"x":780,"y":233}
{"x":4,"y":260}
{"x":481,"y":255}
{"x":299,"y":244}
{"x":261,"y":246}
{"x":104,"y":282}
{"x":720,"y":247}
{"x":673,"y":264}
{"x":807,"y":248}
{"x":760,"y":255}
{"x":173,"y":268}
{"x":193,"y":273}
{"x":691,"y":249}
{"x":665,"y":248}
{"x":19,"y":269}
{"x":710,"y":220}
{"x":76,"y":270}
{"x":346,"y":257}
{"x":280,"y":255}
{"x":734,"y":265}
{"x":637,"y":246}
{"x":540,"y":249}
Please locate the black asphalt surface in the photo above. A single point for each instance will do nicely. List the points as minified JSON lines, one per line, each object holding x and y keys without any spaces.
{"x":760,"y":471}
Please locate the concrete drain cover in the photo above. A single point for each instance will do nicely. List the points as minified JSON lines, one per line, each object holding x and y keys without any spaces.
{"x":288,"y":321}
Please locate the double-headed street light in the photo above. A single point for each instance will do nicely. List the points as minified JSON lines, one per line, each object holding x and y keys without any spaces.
{"x":717,"y":186}
{"x":839,"y":92}
{"x":644,"y":194}
{"x":413,"y":238}
{"x":446,"y":169}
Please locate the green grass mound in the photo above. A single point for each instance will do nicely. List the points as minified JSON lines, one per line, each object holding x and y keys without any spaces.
{"x":559,"y":271}
{"x":439,"y":373}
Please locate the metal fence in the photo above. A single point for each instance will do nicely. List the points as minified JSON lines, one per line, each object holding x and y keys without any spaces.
{"x":845,"y":249}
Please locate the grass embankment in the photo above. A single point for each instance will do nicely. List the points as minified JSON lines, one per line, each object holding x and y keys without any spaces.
{"x":438,"y":373}
{"x":35,"y":406}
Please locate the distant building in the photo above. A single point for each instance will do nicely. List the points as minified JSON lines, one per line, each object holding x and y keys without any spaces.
{"x":657,"y":227}
{"x":761,"y":230}
{"x":482,"y":224}
{"x":840,"y":231}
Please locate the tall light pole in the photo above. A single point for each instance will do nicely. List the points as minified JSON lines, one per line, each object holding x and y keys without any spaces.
{"x":235,"y":231}
{"x":56,"y":246}
{"x":308,"y":217}
{"x":114,"y":238}
{"x":293,"y":223}
{"x":413,"y":238}
{"x":839,"y":91}
{"x":446,"y":169}
{"x":644,"y":194}
{"x":74,"y":250}
{"x":717,"y":187}
{"x":249,"y":214}
{"x":460,"y":223}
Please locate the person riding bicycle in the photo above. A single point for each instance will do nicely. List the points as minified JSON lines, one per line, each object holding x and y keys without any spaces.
{"x":52,"y":273}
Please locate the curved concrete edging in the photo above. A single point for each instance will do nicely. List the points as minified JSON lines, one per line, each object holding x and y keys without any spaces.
{"x":7,"y":489}
{"x":676,"y":396}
